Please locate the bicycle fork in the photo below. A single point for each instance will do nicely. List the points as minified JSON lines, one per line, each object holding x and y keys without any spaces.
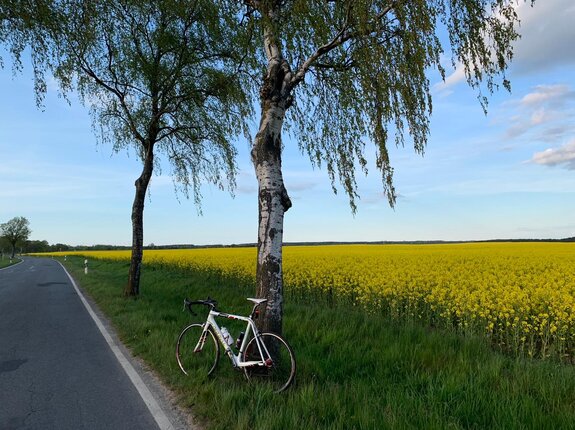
{"x":201,"y":341}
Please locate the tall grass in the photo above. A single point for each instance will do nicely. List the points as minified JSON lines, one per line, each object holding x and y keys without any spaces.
{"x":355,"y":370}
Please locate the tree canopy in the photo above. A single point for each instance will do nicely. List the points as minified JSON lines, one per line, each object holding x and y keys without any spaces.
{"x":156,"y":73}
{"x":357,"y":71}
{"x":15,"y":231}
{"x":24,"y":25}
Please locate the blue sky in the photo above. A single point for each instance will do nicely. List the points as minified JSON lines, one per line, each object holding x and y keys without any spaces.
{"x":510,"y":174}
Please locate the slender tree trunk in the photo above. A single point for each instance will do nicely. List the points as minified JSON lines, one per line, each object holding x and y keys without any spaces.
{"x":133,"y":286}
{"x":273,"y":199}
{"x":273,"y":202}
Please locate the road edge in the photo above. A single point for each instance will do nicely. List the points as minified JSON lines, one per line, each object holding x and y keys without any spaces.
{"x":125,"y":359}
{"x":12,"y":265}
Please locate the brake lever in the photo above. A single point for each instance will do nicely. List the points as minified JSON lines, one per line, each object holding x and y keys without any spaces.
{"x":188,"y":304}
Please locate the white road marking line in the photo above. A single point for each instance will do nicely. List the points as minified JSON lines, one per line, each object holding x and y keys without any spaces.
{"x":153,"y":406}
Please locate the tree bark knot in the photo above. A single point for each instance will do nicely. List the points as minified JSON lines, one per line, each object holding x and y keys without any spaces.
{"x":284,"y":198}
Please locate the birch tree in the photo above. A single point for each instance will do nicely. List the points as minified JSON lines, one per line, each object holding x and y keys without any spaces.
{"x":160,"y":69}
{"x":347,"y":73}
{"x":158,"y":78}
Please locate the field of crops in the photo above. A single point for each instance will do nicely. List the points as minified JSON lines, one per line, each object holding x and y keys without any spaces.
{"x":521,"y":295}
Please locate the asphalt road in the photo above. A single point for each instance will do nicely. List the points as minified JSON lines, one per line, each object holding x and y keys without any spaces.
{"x":56,"y":369}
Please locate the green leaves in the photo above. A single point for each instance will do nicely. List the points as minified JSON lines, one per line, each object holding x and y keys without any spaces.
{"x":15,"y":231}
{"x":359,"y":71}
{"x":355,"y":71}
{"x":157,"y":73}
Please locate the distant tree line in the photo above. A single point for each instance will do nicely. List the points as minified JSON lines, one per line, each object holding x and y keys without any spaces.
{"x":34,"y":246}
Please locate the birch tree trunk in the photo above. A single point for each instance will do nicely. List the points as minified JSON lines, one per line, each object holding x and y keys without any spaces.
{"x":273,"y":202}
{"x":273,"y":199}
{"x":133,"y":286}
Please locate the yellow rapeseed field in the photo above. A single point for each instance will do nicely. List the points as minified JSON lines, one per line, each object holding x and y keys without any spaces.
{"x":521,"y":295}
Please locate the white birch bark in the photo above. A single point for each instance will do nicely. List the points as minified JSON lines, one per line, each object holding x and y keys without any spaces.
{"x":273,"y":201}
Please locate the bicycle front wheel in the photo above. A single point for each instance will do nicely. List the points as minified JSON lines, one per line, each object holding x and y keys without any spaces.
{"x":197,"y":351}
{"x":279,"y":369}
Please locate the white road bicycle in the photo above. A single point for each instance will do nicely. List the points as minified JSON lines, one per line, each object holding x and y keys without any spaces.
{"x":263,"y":356}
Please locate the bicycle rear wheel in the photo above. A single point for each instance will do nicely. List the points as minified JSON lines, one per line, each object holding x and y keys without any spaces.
{"x":197,"y":352}
{"x":280,"y":368}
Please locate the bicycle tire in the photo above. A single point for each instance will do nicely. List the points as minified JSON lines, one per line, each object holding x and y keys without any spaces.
{"x":202,"y":362}
{"x":280,"y":374}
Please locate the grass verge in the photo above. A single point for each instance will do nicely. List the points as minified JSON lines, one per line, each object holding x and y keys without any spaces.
{"x":5,"y":262}
{"x":355,"y":371}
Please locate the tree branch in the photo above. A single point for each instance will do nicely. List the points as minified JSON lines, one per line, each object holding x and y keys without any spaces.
{"x":339,"y":39}
{"x":114,"y":90}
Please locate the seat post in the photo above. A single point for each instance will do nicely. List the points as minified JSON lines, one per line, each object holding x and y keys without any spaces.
{"x":256,"y":303}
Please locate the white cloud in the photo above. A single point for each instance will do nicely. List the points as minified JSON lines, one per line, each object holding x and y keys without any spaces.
{"x":547,"y":34}
{"x":539,"y":117}
{"x":548,"y":106}
{"x":554,"y":95}
{"x":453,"y":79}
{"x":546,"y":40}
{"x":563,"y":156}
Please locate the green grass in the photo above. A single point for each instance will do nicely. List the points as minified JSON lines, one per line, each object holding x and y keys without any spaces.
{"x":355,"y":371}
{"x":5,"y":262}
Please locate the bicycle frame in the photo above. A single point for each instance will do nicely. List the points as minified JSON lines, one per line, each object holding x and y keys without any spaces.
{"x":237,"y":360}
{"x":263,"y":356}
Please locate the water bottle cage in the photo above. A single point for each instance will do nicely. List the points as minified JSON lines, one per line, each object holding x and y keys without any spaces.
{"x":239,"y":340}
